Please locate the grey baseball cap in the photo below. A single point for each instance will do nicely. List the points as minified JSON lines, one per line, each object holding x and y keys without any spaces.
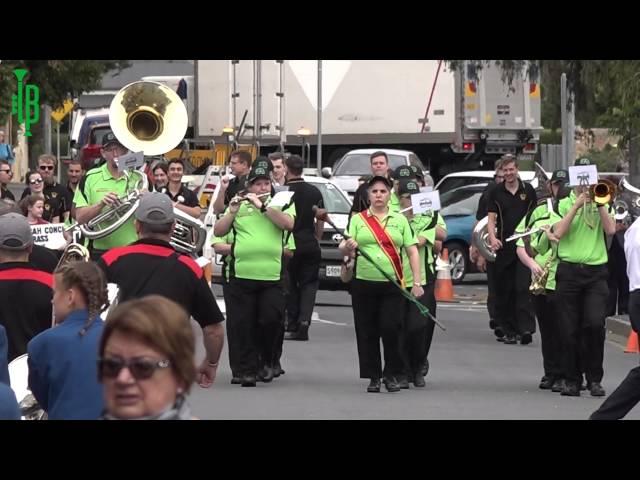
{"x":155,"y":209}
{"x":15,"y":233}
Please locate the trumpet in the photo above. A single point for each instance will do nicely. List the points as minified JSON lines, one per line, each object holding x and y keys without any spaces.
{"x":237,"y":199}
{"x":603,"y":192}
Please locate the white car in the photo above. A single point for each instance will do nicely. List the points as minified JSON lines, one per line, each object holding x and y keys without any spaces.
{"x":338,"y":204}
{"x":473,"y":177}
{"x":356,"y":164}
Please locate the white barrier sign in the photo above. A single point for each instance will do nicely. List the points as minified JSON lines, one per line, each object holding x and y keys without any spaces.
{"x":130,"y":161}
{"x":583,"y":175}
{"x":50,"y":235}
{"x":425,"y":202}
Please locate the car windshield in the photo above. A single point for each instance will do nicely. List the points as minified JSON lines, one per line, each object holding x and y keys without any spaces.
{"x":97,"y":134}
{"x":333,"y":199}
{"x":461,"y":201}
{"x":359,"y":164}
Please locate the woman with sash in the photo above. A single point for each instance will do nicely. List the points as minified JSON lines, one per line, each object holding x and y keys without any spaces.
{"x":378,"y":305}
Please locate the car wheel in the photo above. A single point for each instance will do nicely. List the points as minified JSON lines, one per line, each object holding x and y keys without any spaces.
{"x":458,"y":261}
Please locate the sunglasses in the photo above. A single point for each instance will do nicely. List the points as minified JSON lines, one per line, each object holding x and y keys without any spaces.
{"x":34,"y":182}
{"x":46,"y":167}
{"x":140,"y":368}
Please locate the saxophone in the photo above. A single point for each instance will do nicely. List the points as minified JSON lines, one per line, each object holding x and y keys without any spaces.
{"x":539,"y":283}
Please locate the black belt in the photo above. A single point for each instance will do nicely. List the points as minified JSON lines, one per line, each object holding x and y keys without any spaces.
{"x":582,"y":265}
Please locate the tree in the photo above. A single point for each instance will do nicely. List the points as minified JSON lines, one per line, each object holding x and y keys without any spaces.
{"x":58,"y":81}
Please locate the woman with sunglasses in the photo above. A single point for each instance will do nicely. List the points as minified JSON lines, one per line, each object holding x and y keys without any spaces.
{"x":54,"y":202}
{"x":147,"y":361}
{"x":63,"y":375}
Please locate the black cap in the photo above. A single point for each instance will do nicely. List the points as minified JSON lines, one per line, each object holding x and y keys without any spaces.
{"x":379,"y":178}
{"x":258,"y":172}
{"x":403,"y":171}
{"x":262,"y":162}
{"x":560,"y":176}
{"x":110,"y":138}
{"x":408,"y":187}
{"x":582,"y":161}
{"x":416,"y":171}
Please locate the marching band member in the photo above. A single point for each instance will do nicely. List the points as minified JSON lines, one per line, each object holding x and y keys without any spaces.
{"x":581,"y":286}
{"x":378,"y":306}
{"x":182,"y":198}
{"x":256,"y":297}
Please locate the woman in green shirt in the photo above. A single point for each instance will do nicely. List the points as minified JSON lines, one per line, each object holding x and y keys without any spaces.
{"x":378,"y":305}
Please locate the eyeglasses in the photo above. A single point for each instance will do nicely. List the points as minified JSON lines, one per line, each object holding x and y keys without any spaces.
{"x":46,"y":167}
{"x":34,"y":182}
{"x":140,"y":368}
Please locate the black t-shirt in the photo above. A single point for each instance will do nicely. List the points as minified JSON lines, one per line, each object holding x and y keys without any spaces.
{"x":55,"y":201}
{"x":69,"y":197}
{"x":483,"y":203}
{"x":360,"y":199}
{"x":153,"y":267}
{"x":510,"y":209}
{"x":43,"y":259}
{"x":5,"y":193}
{"x":236,"y":185}
{"x":306,"y":196}
{"x":190,"y":198}
{"x":25,"y":305}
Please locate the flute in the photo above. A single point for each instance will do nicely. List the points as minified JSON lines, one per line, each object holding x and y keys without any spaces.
{"x":238,"y":199}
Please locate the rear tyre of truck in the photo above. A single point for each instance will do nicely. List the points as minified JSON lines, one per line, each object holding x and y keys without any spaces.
{"x":458,"y":261}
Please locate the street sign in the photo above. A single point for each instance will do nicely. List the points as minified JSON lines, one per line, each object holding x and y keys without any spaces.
{"x":58,"y":115}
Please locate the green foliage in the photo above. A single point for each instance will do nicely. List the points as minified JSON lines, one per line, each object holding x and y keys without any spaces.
{"x":608,"y":159}
{"x":551,"y":137}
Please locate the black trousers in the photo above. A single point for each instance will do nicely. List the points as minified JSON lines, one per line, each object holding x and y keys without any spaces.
{"x":491,"y":287}
{"x":303,"y":285}
{"x":514,"y":309}
{"x":417,"y":332}
{"x":256,"y":307}
{"x":627,"y":395}
{"x":232,"y":340}
{"x":582,"y":297}
{"x":546,"y":308}
{"x":430,"y":302}
{"x":378,"y":311}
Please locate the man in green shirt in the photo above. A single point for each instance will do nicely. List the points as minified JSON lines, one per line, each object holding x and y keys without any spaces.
{"x":581,"y":286}
{"x":255,"y":295}
{"x":100,"y":189}
{"x":536,"y":253}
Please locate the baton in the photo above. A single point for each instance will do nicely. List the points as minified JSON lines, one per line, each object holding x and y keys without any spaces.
{"x":323,"y":215}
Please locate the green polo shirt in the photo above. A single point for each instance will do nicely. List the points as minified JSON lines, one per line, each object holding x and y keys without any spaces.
{"x":539,"y":242}
{"x":583,"y":244}
{"x":258,"y":246}
{"x":397,"y":228}
{"x":97,"y":184}
{"x":420,"y":226}
{"x":394,"y":202}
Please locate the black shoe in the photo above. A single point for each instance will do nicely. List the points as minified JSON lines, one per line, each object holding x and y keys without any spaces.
{"x":546,"y":383}
{"x":510,"y":340}
{"x":597,"y":390}
{"x":266,"y":374}
{"x":558,"y":385}
{"x":299,"y":335}
{"x":236,"y":381}
{"x":501,"y":339}
{"x":277,"y":370}
{"x":425,"y":368}
{"x":374,"y":386}
{"x":390,"y":384}
{"x":418,"y":381}
{"x":526,"y":338}
{"x":248,"y":381}
{"x":493,"y":324}
{"x":570,"y":389}
{"x":403,"y":382}
{"x":498,"y":332}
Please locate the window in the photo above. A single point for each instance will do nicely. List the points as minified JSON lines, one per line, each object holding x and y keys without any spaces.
{"x":359,"y":164}
{"x":334,"y":201}
{"x":453,"y":183}
{"x":414,"y":160}
{"x":461,"y":201}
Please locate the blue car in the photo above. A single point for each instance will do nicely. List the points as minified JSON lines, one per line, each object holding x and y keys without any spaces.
{"x":458,"y":208}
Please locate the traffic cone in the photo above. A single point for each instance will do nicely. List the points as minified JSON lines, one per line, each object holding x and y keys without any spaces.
{"x":632,"y":343}
{"x":444,"y":285}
